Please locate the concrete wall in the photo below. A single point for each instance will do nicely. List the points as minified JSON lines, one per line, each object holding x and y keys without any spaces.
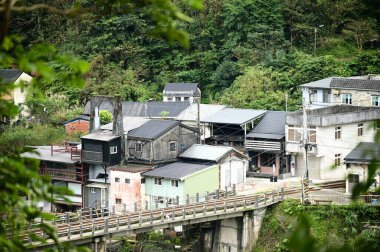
{"x":164,"y":190}
{"x":359,"y":98}
{"x":128,"y":193}
{"x":233,"y":171}
{"x":322,"y":159}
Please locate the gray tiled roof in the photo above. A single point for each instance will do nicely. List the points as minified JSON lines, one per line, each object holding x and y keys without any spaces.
{"x":234,"y":116}
{"x":363,"y":152}
{"x":177,"y":170}
{"x":207,"y":152}
{"x":153,"y":129}
{"x":271,"y":126}
{"x":323,"y":83}
{"x":173,"y":87}
{"x":9,"y":75}
{"x":359,"y":84}
{"x":137,"y":109}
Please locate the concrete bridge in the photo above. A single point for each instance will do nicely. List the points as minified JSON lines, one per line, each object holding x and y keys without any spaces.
{"x":238,"y":219}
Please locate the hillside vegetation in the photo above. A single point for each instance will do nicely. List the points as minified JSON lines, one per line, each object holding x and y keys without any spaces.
{"x":245,"y":53}
{"x":289,"y":226}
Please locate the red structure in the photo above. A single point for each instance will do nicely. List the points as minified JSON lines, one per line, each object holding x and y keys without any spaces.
{"x":79,"y":124}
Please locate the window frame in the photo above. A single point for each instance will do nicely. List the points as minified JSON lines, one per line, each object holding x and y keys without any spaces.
{"x":360,"y":129}
{"x":326,"y":96}
{"x":313,"y":95}
{"x":377,"y":102}
{"x":120,"y":201}
{"x":338,"y":132}
{"x":346,"y":98}
{"x":338,"y":160}
{"x":158,"y":181}
{"x":138,"y":149}
{"x":174,"y":182}
{"x":353,"y":178}
{"x":175,"y":146}
{"x":113,"y":150}
{"x":117,"y":180}
{"x":127,"y":181}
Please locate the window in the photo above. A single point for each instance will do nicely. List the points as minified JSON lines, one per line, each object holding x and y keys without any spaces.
{"x":117,"y":180}
{"x":173,"y":146}
{"x":312,"y":134}
{"x":313,"y":95}
{"x":360,"y":129}
{"x":353,"y":178}
{"x":127,"y":181}
{"x":143,"y":181}
{"x":174,"y":183}
{"x":170,"y":99}
{"x":138,"y":147}
{"x":338,"y":132}
{"x":337,"y":159}
{"x":92,"y":190}
{"x":183,"y":146}
{"x":118,"y":201}
{"x":158,"y":199}
{"x":186,"y":98}
{"x":158,"y":181}
{"x":347,"y":98}
{"x":178,"y":99}
{"x":113,"y":150}
{"x":294,"y":133}
{"x":326,"y":96}
{"x":375,"y":101}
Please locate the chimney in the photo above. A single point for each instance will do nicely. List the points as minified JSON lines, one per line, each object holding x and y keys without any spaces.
{"x":94,"y":114}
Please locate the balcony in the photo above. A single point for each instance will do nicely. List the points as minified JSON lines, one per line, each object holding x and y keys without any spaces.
{"x":92,"y":157}
{"x":263,"y":145}
{"x":63,"y":174}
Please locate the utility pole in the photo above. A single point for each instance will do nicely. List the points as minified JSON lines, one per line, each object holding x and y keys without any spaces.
{"x":198,"y":101}
{"x":305,"y":146}
{"x":315,"y":39}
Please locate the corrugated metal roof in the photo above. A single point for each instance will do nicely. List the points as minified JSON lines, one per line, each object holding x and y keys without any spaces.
{"x":153,"y":129}
{"x":357,"y":84}
{"x":206,"y":152}
{"x":137,"y":109}
{"x":44,"y":153}
{"x":205,"y":110}
{"x":363,"y":152}
{"x":9,"y":75}
{"x":323,"y":83}
{"x":271,"y":126}
{"x":234,"y":116}
{"x":105,"y":136}
{"x":81,"y":117}
{"x":181,"y":87}
{"x":177,"y":170}
{"x":129,"y":123}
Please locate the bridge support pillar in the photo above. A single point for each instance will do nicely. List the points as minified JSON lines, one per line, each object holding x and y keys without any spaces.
{"x":99,"y":244}
{"x":251,"y":228}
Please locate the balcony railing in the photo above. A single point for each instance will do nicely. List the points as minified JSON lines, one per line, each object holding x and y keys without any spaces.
{"x":61,"y":174}
{"x":263,"y":145}
{"x":92,"y":157}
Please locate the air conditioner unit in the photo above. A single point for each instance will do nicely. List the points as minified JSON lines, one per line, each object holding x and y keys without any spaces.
{"x":336,"y":92}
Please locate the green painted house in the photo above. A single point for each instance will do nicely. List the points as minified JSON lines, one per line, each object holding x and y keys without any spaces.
{"x":169,"y":183}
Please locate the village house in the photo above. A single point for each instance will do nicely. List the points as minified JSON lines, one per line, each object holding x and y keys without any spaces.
{"x":265,"y":145}
{"x":356,"y":91}
{"x":77,"y":125}
{"x":332,"y":132}
{"x":190,"y":118}
{"x":180,"y":92}
{"x":230,"y":126}
{"x":126,"y":191}
{"x":232,"y":164}
{"x":174,"y":183}
{"x":159,"y":141}
{"x":357,"y":162}
{"x":19,"y":93}
{"x":62,"y":163}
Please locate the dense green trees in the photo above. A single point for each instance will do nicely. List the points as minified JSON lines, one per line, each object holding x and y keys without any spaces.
{"x":225,"y":38}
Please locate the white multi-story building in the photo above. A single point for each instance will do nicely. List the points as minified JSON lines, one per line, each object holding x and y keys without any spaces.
{"x":357,"y":91}
{"x":181,"y":92}
{"x":334,"y":131}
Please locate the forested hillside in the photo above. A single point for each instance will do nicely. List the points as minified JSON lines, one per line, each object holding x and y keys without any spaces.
{"x":245,"y":53}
